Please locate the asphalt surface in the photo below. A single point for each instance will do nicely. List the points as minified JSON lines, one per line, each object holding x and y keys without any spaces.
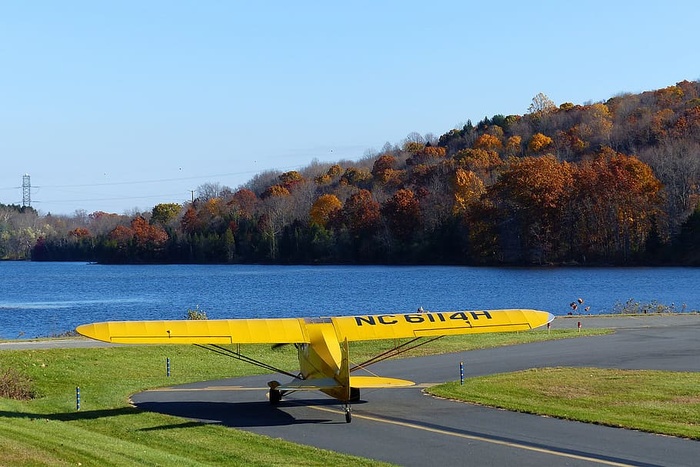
{"x":407,"y":427}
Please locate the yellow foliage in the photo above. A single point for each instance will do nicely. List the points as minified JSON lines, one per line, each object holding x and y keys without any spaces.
{"x":488,"y":143}
{"x":539,"y":142}
{"x":322,"y":209}
{"x":468,"y":189}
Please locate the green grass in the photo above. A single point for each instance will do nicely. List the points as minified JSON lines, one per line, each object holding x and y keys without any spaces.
{"x":655,"y":401}
{"x":108,"y":431}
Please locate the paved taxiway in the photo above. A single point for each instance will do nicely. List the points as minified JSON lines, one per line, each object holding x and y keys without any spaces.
{"x":407,"y":427}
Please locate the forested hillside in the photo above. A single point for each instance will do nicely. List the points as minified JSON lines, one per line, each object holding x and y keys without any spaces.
{"x":613,"y":182}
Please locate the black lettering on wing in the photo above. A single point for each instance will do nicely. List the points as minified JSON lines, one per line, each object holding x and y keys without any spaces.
{"x":359,"y":320}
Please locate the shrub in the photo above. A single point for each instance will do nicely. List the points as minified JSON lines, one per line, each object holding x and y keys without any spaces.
{"x":633,"y":307}
{"x":196,"y":314}
{"x":14,"y":385}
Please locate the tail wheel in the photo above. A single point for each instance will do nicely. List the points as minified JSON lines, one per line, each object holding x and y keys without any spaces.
{"x":348,"y":415}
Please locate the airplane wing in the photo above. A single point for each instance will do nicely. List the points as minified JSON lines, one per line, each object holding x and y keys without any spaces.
{"x":294,"y":330}
{"x":221,"y":331}
{"x":396,"y":326}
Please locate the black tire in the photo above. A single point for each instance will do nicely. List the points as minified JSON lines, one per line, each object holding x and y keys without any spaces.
{"x":348,"y":416}
{"x":275,"y":396}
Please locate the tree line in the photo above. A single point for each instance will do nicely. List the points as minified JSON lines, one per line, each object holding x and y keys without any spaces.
{"x":614,"y":182}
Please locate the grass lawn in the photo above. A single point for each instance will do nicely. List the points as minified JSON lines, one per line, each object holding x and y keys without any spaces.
{"x":47,"y":430}
{"x":654,"y":401}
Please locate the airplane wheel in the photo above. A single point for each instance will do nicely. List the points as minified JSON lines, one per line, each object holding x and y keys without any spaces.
{"x":275,"y":396}
{"x":348,"y":415}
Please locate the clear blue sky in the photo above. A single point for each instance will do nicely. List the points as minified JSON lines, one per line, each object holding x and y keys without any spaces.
{"x":120,"y":105}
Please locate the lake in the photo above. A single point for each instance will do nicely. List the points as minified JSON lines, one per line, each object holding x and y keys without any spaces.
{"x":43,"y":299}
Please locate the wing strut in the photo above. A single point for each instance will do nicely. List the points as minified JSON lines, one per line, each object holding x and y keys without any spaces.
{"x":238,"y":355}
{"x":393,"y":352}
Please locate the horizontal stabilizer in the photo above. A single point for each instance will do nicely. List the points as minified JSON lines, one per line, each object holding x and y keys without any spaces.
{"x":378,"y":382}
{"x":355,"y":382}
{"x":309,"y":384}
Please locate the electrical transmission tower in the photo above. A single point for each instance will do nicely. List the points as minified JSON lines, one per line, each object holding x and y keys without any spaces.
{"x":26,"y":191}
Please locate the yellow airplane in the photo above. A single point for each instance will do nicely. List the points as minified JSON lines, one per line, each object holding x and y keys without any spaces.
{"x":322,"y":343}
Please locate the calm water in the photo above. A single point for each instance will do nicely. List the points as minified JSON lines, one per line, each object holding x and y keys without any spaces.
{"x":40,"y":299}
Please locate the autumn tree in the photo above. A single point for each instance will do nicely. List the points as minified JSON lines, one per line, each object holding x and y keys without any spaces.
{"x":488,"y":142}
{"x":617,"y":200}
{"x":480,"y":161}
{"x":190,"y":221}
{"x":468,"y":188}
{"x":361,"y":213}
{"x":532,"y":194}
{"x":402,"y":213}
{"x":382,"y":164}
{"x":360,"y":178}
{"x":332,"y":173}
{"x":323,"y":208}
{"x":539,"y":143}
{"x":245,"y":201}
{"x":427,"y":155}
{"x":513,"y":145}
{"x":291,"y":179}
{"x":275,"y":191}
{"x":147,"y":236}
{"x":164,"y":213}
{"x":541,"y":104}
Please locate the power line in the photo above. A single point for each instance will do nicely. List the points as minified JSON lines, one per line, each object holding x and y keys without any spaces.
{"x":161,"y":180}
{"x":120,"y":198}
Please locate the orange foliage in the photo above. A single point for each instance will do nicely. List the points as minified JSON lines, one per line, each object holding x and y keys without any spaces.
{"x":323,"y":208}
{"x":79,"y":232}
{"x":382,"y":164}
{"x":334,"y":170}
{"x":413,"y":147}
{"x":323,"y":179}
{"x":275,"y":191}
{"x":480,"y":161}
{"x":488,"y":142}
{"x":146,"y":234}
{"x":514,"y":145}
{"x":661,"y":122}
{"x":668,"y":97}
{"x":190,"y":222}
{"x":290,"y":180}
{"x":571,"y":140}
{"x":468,"y":188}
{"x":617,"y":199}
{"x":688,"y":124}
{"x":539,"y":143}
{"x":355,"y":177}
{"x":246,"y":201}
{"x":539,"y":184}
{"x":393,"y":178}
{"x":434,"y":152}
{"x":402,"y":212}
{"x":361,"y":213}
{"x":121,"y":234}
